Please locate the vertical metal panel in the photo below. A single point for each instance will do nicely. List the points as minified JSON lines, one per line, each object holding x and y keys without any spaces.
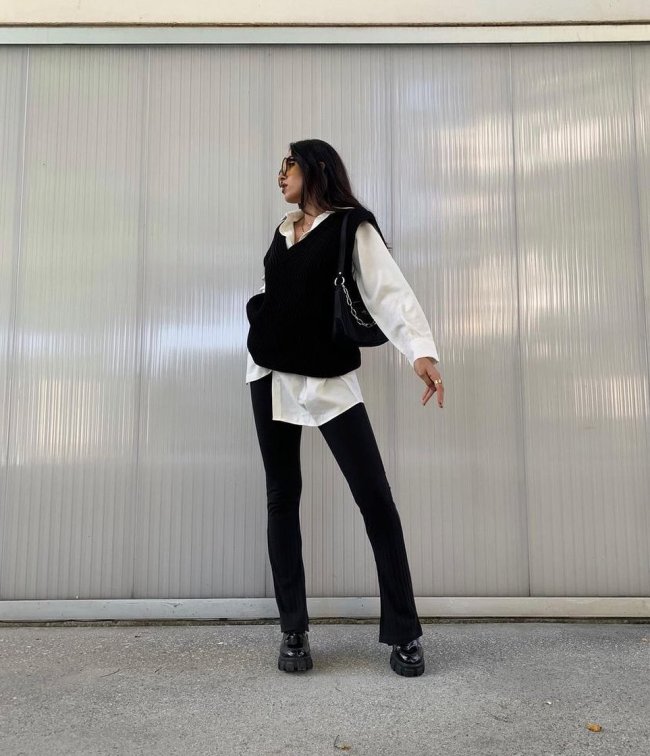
{"x":201,"y":508}
{"x":460,"y":469}
{"x":69,"y":507}
{"x":13,"y":78}
{"x":583,"y":340}
{"x":640,"y":82}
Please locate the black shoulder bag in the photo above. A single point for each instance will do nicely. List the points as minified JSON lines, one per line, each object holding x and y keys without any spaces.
{"x":352,"y":321}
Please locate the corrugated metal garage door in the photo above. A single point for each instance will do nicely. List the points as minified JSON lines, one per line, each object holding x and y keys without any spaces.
{"x":138,"y":196}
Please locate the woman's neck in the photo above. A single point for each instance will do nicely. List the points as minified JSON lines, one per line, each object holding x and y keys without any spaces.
{"x":311,"y":210}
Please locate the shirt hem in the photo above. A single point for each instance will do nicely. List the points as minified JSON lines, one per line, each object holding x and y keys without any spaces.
{"x":316,"y":420}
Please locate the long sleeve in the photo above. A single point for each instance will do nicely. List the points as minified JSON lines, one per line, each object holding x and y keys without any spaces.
{"x":388,"y":296}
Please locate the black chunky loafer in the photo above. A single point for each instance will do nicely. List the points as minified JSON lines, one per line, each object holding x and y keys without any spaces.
{"x":407,"y":659}
{"x":295,"y":654}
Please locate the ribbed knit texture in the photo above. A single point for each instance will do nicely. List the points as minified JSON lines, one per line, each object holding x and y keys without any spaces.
{"x":291,"y":321}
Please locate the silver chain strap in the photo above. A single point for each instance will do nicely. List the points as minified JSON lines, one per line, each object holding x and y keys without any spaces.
{"x":349,"y":301}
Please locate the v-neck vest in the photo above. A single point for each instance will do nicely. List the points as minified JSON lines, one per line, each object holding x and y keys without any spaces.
{"x":291,"y":322}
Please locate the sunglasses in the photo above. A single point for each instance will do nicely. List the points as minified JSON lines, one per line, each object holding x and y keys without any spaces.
{"x":287,"y":162}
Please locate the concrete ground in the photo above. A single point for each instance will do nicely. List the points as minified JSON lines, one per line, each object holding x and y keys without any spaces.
{"x":502,"y":688}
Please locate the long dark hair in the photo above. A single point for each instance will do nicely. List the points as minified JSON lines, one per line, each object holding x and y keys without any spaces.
{"x":327,"y":185}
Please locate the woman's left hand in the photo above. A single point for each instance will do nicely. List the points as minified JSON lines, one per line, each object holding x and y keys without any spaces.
{"x":426,"y":369}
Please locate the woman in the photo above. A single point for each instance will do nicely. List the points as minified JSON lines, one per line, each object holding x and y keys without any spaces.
{"x":299,"y":376}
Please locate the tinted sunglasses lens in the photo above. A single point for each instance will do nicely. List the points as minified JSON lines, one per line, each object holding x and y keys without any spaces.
{"x":286,"y":164}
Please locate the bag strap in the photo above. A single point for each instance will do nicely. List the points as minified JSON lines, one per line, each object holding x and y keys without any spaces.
{"x":341,"y":270}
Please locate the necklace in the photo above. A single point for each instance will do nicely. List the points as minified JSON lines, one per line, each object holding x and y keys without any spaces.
{"x":303,"y":228}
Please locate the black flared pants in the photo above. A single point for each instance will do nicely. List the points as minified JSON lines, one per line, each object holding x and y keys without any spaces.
{"x":351,"y":439}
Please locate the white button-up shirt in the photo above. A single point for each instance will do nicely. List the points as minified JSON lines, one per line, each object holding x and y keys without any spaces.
{"x":391,"y":302}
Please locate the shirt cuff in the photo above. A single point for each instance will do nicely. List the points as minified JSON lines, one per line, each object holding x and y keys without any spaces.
{"x":422,"y":347}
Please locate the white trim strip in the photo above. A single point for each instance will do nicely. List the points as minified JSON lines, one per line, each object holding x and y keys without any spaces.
{"x":316,"y":35}
{"x":637,"y":607}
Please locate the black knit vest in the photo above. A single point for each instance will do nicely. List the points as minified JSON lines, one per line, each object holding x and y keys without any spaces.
{"x":291,"y":321}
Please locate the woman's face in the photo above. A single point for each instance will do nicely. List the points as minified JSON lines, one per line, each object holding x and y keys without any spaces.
{"x":290,"y":179}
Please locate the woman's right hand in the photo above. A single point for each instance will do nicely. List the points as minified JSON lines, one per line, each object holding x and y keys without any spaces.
{"x":426,"y":370}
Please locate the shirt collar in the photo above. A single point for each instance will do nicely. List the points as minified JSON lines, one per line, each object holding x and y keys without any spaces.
{"x":294,"y":215}
{"x":291,"y":216}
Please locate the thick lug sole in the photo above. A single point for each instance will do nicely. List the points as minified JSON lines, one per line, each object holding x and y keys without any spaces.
{"x":301,"y":664}
{"x":406,"y":670}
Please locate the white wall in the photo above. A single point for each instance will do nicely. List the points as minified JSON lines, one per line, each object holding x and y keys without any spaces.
{"x":420,"y":12}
